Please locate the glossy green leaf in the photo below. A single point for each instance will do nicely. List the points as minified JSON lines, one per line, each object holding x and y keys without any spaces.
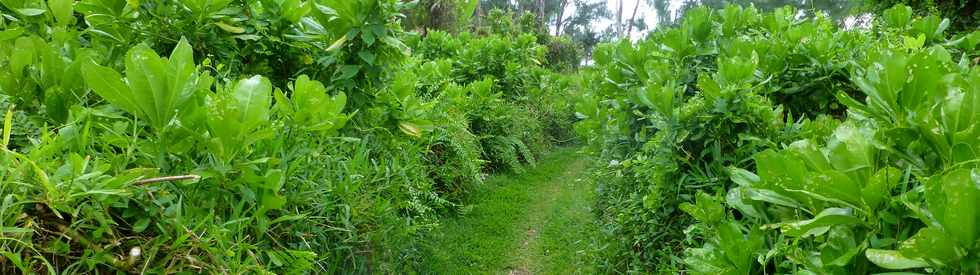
{"x":879,"y":187}
{"x":312,"y":108}
{"x":10,"y":33}
{"x":962,"y":205}
{"x":62,"y":10}
{"x":30,"y":11}
{"x":819,"y":224}
{"x":743,"y":177}
{"x":897,"y":16}
{"x":347,"y":72}
{"x":397,"y":44}
{"x":236,"y":114}
{"x":706,"y":210}
{"x":230,"y":28}
{"x":22,"y":55}
{"x":410,"y":128}
{"x":932,"y":244}
{"x":109,"y":85}
{"x":892,"y":259}
{"x":141,"y":225}
{"x":337,"y":44}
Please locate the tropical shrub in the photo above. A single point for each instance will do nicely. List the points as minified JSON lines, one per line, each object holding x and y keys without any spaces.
{"x":741,"y":142}
{"x":250,"y":136}
{"x":964,"y":15}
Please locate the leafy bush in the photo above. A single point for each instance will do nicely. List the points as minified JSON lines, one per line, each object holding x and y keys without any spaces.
{"x":251,"y":136}
{"x":964,"y":15}
{"x":710,"y":107}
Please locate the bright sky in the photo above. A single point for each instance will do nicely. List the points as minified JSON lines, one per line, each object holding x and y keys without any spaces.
{"x":644,"y":11}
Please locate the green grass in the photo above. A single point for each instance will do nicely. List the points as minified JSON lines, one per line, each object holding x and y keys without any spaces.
{"x":536,"y":222}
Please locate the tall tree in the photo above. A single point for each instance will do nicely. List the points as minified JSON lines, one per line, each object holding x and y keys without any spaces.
{"x":632,"y":22}
{"x":579,"y":24}
{"x":619,"y":20}
{"x":561,"y":14}
{"x":542,"y":20}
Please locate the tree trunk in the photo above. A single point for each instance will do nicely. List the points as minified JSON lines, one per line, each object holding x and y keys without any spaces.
{"x":629,"y":31}
{"x":619,"y":20}
{"x":561,"y":13}
{"x":542,"y":22}
{"x":478,"y":18}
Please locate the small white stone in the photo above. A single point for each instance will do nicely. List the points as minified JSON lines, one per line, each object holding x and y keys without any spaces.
{"x":135,"y":252}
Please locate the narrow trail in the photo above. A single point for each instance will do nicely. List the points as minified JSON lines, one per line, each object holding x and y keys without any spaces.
{"x":532,"y":223}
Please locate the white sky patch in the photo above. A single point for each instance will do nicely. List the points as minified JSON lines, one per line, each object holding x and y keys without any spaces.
{"x":644,"y":11}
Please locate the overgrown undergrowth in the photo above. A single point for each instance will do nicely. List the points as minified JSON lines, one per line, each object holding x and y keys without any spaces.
{"x":537,"y":222}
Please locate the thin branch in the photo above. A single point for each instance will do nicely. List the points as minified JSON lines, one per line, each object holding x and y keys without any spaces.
{"x":168,"y":178}
{"x":629,"y":31}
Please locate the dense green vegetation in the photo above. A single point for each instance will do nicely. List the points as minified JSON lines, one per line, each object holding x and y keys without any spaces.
{"x":254,"y":136}
{"x":537,"y":222}
{"x":747,"y":142}
{"x":964,"y":15}
{"x":358,"y":137}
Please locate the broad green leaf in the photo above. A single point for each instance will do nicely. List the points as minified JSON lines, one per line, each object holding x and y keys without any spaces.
{"x":658,"y":97}
{"x":778,"y":169}
{"x":706,"y":261}
{"x":181,"y":63}
{"x":62,"y":10}
{"x":254,"y":96}
{"x":914,"y":43}
{"x":313,"y":109}
{"x":832,"y":186}
{"x":230,"y":28}
{"x":943,"y":25}
{"x":897,"y":16}
{"x":773,"y":197}
{"x":283,"y":104}
{"x":707,"y":210}
{"x":347,"y":71}
{"x":272,"y":201}
{"x":818,"y":225}
{"x":839,"y":247}
{"x":932,"y":244}
{"x":878,"y":188}
{"x":366,"y":56}
{"x":30,"y":11}
{"x":22,"y":55}
{"x":108,"y":84}
{"x":10,"y":33}
{"x":294,"y":10}
{"x":962,"y":204}
{"x":236,"y":115}
{"x":337,"y":44}
{"x":850,"y":151}
{"x":468,"y":8}
{"x":743,"y":177}
{"x":892,"y":259}
{"x":736,"y":199}
{"x":709,"y":87}
{"x":813,"y":156}
{"x":141,"y":225}
{"x":397,"y":44}
{"x":288,"y":218}
{"x":410,"y":128}
{"x":146,"y":74}
{"x":737,"y":247}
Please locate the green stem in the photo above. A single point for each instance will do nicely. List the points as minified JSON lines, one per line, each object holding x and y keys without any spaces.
{"x":162,"y":154}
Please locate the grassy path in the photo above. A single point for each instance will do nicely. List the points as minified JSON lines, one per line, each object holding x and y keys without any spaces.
{"x":532,"y":223}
